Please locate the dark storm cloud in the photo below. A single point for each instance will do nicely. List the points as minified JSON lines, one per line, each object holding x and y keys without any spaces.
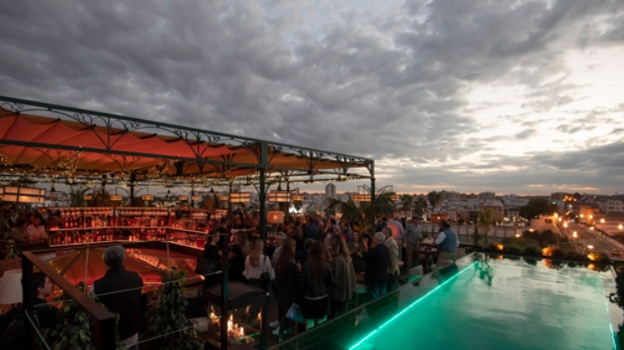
{"x":387,"y":85}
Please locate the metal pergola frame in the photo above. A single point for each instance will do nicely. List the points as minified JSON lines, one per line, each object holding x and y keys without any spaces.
{"x":268,"y":165}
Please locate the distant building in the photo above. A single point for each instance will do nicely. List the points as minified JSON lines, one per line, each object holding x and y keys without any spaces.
{"x":514,"y":201}
{"x":559,"y":196}
{"x":611,"y":206}
{"x":330,"y":190}
{"x":487,"y":195}
{"x":450,"y":195}
{"x":497,"y":207}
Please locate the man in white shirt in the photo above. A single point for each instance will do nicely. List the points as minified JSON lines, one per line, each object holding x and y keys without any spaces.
{"x":396,"y":227}
{"x":412,"y":241}
{"x":393,"y":269}
{"x":35,"y":231}
{"x":447,"y":243}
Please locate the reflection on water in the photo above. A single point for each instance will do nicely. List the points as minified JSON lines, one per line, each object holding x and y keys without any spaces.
{"x":483,"y":268}
{"x":545,"y":306}
{"x":447,"y":274}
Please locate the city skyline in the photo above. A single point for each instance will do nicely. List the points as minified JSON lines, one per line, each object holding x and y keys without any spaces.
{"x":511,"y":97}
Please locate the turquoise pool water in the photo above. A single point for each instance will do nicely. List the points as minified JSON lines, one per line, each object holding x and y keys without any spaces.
{"x":500,"y":304}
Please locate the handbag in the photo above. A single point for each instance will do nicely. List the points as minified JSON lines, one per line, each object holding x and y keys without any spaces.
{"x":294,"y":313}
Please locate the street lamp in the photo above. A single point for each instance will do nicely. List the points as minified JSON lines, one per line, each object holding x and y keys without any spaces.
{"x":621,"y":227}
{"x":574,"y":234}
{"x":590,"y":246}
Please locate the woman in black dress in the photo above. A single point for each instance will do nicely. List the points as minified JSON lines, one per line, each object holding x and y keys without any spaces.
{"x":317,"y":285}
{"x":239,"y":250}
{"x":286,"y":282}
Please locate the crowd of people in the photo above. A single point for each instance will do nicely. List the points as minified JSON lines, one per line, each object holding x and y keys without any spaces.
{"x":309,"y":263}
{"x":315,"y":263}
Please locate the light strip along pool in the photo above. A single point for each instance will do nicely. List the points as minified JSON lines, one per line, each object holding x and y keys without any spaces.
{"x":503,"y":304}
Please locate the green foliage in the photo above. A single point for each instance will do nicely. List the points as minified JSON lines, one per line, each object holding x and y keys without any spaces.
{"x":491,"y":248}
{"x":476,"y":237}
{"x":532,"y":235}
{"x":521,"y":242}
{"x":486,"y":221}
{"x":434,"y":198}
{"x":101,"y":198}
{"x":420,"y":206}
{"x":531,"y":250}
{"x":537,"y":207}
{"x":406,"y":202}
{"x":76,"y":328}
{"x":548,"y":238}
{"x":558,"y":252}
{"x":7,"y":245}
{"x":574,"y":255}
{"x":76,"y":196}
{"x":512,"y":249}
{"x":383,"y":205}
{"x":600,"y":257}
{"x":168,"y":316}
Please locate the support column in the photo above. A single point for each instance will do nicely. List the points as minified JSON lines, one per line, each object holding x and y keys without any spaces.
{"x":28,"y":299}
{"x":225,"y":286}
{"x":372,"y":195}
{"x":132,"y":182}
{"x":264,"y":163}
{"x":229,"y":201}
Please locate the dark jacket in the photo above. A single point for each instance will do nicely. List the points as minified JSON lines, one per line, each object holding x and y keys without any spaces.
{"x":286,"y":283}
{"x":126,"y":304}
{"x":316,"y":287}
{"x":377,"y":261}
{"x":302,"y":256}
{"x":47,"y":314}
{"x":311,"y":230}
{"x":237,"y":264}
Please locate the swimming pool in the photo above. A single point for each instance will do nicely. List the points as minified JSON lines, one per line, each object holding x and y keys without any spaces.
{"x":484,"y":302}
{"x":502,"y":303}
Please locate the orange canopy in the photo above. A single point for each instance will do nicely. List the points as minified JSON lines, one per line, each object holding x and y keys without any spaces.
{"x":38,"y":138}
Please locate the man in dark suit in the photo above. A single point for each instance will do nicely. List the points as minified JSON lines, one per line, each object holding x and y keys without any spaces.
{"x":312,"y":230}
{"x":120,"y":291}
{"x":377,"y":263}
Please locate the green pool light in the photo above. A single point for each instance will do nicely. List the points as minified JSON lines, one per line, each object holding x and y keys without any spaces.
{"x":410,"y":306}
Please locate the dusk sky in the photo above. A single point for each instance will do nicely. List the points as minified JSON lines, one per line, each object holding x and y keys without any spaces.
{"x":521,"y":97}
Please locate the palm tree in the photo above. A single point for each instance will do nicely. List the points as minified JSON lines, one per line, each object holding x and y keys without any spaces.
{"x":366,"y":211}
{"x":76,"y":196}
{"x":420,"y":206}
{"x":406,"y":202}
{"x":434,"y":198}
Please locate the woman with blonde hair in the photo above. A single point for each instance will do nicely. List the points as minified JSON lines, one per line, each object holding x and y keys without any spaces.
{"x":258,"y":265}
{"x":343,"y":274}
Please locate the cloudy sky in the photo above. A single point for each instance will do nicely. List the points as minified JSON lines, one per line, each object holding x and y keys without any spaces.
{"x":519,"y":96}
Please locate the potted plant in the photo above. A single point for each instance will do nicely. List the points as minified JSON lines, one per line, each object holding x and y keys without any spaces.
{"x":166,"y":317}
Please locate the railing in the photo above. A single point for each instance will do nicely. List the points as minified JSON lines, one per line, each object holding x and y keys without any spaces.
{"x":104,"y":320}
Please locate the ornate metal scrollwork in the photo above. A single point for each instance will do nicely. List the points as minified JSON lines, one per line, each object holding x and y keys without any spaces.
{"x":13,"y":107}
